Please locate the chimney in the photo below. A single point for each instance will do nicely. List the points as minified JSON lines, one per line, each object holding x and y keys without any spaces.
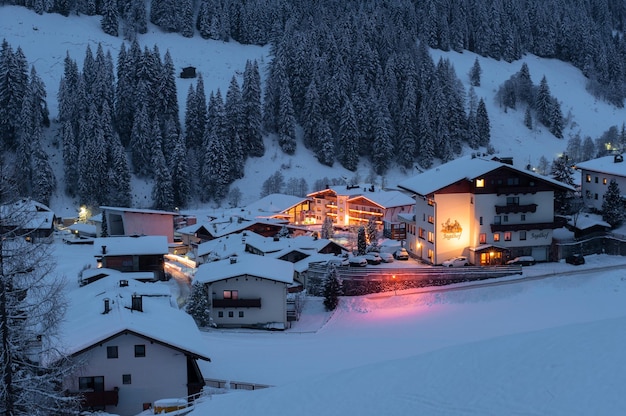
{"x":107,"y":306}
{"x":233,"y":260}
{"x":123,"y":283}
{"x":618,"y":159}
{"x":136,"y":303}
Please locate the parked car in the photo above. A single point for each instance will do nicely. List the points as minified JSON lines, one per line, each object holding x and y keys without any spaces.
{"x":401,"y":254}
{"x":358,"y":261}
{"x":522,"y":261}
{"x":575,"y":259}
{"x":339,"y":261}
{"x":386,"y":257}
{"x":456,"y":262}
{"x":373,"y":258}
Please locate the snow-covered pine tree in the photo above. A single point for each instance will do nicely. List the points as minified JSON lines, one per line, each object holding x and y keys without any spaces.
{"x":613,"y":205}
{"x":109,"y":22}
{"x":562,"y":171}
{"x":186,"y":25}
{"x":43,"y":179}
{"x":426,"y":148}
{"x":235,"y":128}
{"x":215,"y":169}
{"x":482,"y":124}
{"x":312,"y":117}
{"x":475,"y":73}
{"x":140,"y":143}
{"x":326,"y":152}
{"x":13,"y":85}
{"x":162,"y":192}
{"x":543,"y":103}
{"x":273,"y":185}
{"x":361,"y":241}
{"x":180,"y":173}
{"x":332,"y":289}
{"x":251,"y":97}
{"x":372,"y":234}
{"x":528,"y":118}
{"x":198,"y":305}
{"x":407,"y":138}
{"x":286,"y":122}
{"x":382,"y":147}
{"x":327,"y":230}
{"x":556,"y":119}
{"x":119,"y":194}
{"x":348,"y":148}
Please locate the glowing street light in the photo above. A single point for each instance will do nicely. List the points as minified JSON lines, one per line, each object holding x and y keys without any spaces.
{"x":395,"y":286}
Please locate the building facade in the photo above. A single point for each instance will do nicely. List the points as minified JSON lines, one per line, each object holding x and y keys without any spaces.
{"x":484,"y":209}
{"x":596,"y":175}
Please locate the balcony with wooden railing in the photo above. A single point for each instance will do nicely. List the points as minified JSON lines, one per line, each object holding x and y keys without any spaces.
{"x":237,"y":303}
{"x":515,"y":208}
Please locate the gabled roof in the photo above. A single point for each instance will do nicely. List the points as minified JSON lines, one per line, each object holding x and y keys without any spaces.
{"x":27,"y":214}
{"x":464,"y":168}
{"x":246,"y":264}
{"x":86,"y":325}
{"x":121,"y":246}
{"x":386,"y":199}
{"x":225,"y":246}
{"x":274,"y":204}
{"x":605,"y":165}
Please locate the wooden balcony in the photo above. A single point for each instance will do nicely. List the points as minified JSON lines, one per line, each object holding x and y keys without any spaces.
{"x":98,"y":399}
{"x":237,"y":303}
{"x":514,"y":190}
{"x":515,"y":209}
{"x":523,"y":226}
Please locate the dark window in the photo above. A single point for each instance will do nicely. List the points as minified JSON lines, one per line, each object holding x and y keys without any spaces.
{"x":497,"y":219}
{"x":512,"y":181}
{"x":91,"y":383}
{"x":480,"y":220}
{"x":126,"y":379}
{"x":596,"y":179}
{"x":140,"y":350}
{"x":512,"y":200}
{"x":505,"y":218}
{"x":522,"y":235}
{"x":523,"y":217}
{"x":595,"y":196}
{"x":220,"y":314}
{"x":241,"y":314}
{"x":112,"y":351}
{"x":230,"y":314}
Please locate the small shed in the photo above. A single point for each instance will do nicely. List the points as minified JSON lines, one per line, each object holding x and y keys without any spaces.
{"x":188,"y":72}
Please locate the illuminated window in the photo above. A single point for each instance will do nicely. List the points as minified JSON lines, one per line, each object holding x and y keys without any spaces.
{"x":431,"y":254}
{"x":431,"y":237}
{"x":603,"y":181}
{"x":588,"y":178}
{"x":431,"y":202}
{"x":482,"y":238}
{"x":480,"y":183}
{"x":507,"y":236}
{"x":420,"y":232}
{"x":496,"y":237}
{"x":431,"y":219}
{"x":522,"y":235}
{"x":231,"y":294}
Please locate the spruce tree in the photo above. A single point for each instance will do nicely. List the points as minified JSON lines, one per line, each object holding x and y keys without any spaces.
{"x":326,"y":151}
{"x":543,"y":103}
{"x":475,"y":74}
{"x":198,"y":305}
{"x":332,"y":289}
{"x":348,"y":148}
{"x":180,"y":174}
{"x":562,"y":172}
{"x":361,"y":241}
{"x":251,"y":98}
{"x":328,"y":230}
{"x":162,"y":192}
{"x":613,"y":205}
{"x":482,"y":124}
{"x":109,"y":22}
{"x":286,"y":122}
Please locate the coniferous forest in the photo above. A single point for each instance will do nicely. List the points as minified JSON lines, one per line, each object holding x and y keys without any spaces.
{"x":355,"y":77}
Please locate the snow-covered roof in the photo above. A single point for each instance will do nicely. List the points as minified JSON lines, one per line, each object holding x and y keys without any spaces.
{"x":142,"y":245}
{"x":605,"y":165}
{"x":224,"y":246}
{"x":138,"y":210}
{"x":464,"y":168}
{"x":246,"y":264}
{"x":190,"y":229}
{"x":30,"y":214}
{"x":387,"y":199}
{"x":86,"y":324}
{"x":274,"y":204}
{"x":587,"y":220}
{"x":83,"y":228}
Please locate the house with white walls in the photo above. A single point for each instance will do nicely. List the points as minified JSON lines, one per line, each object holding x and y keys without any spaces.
{"x":596,"y":174}
{"x":133,"y":254}
{"x":134,"y":344}
{"x":121,"y":221}
{"x":483,"y":208}
{"x":247,"y":290}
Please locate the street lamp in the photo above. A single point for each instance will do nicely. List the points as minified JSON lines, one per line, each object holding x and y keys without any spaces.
{"x":395,"y":286}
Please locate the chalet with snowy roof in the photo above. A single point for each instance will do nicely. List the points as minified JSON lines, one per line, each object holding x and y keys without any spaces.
{"x":355,"y":205}
{"x":596,"y":175}
{"x":293,"y":209}
{"x":133,"y":254}
{"x":247,"y":291}
{"x":28,"y":218}
{"x":134,"y":221}
{"x":136,"y":345}
{"x":485,"y":209}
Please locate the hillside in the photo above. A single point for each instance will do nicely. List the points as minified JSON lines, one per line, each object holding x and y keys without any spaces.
{"x":46,"y":39}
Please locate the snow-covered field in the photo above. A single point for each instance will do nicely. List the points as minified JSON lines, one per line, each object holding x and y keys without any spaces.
{"x":549,"y":342}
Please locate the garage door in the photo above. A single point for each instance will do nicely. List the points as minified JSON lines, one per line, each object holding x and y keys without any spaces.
{"x":540,"y":253}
